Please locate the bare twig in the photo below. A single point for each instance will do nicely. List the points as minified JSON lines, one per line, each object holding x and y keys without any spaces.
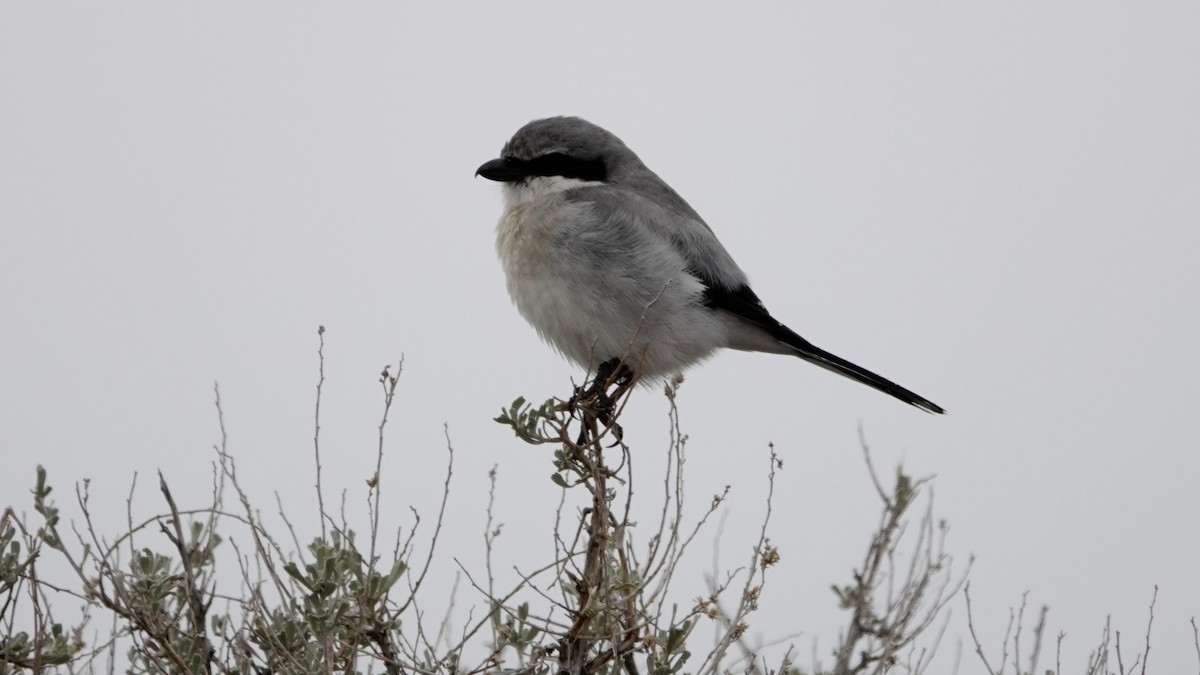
{"x":437,"y":528}
{"x":317,"y":428}
{"x":1149,"y":625}
{"x":1196,"y":639}
{"x":193,"y":588}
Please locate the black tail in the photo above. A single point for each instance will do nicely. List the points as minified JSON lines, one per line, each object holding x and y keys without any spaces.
{"x":742,"y":302}
{"x":837,"y":364}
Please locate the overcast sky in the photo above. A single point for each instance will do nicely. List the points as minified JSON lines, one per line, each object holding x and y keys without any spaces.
{"x":997,"y":207}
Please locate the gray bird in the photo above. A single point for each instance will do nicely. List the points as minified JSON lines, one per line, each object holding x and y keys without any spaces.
{"x":617,"y":272}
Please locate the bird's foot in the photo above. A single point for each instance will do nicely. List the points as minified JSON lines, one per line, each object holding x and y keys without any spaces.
{"x":595,"y":400}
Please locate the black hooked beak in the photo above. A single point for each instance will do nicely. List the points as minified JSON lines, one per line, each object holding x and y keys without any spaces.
{"x":503,"y":170}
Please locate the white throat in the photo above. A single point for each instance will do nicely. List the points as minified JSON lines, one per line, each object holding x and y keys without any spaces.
{"x":537,"y":187}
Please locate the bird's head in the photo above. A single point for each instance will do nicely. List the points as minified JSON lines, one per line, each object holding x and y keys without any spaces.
{"x":563,"y":147}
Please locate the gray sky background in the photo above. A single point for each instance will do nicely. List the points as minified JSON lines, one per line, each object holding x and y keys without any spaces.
{"x":996,"y":206}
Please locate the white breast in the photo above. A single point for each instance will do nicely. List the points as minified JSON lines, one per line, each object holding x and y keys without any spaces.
{"x":592,"y":307}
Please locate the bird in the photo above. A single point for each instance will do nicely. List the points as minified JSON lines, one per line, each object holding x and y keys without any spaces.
{"x":618,"y":273}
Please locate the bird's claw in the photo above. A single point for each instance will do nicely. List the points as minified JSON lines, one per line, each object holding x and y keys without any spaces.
{"x":595,"y":401}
